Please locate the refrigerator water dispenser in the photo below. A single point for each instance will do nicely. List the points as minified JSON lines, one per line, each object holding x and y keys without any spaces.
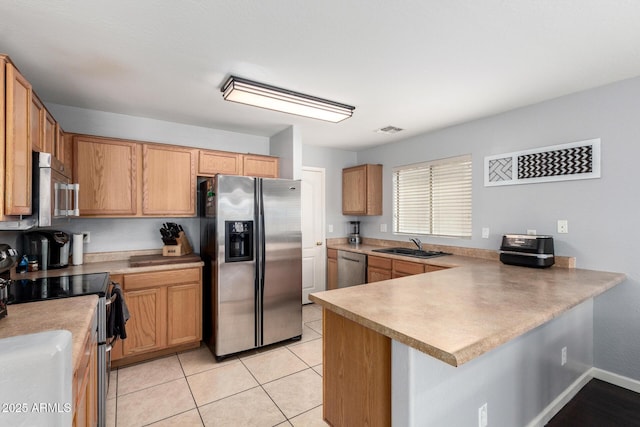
{"x":238,"y":241}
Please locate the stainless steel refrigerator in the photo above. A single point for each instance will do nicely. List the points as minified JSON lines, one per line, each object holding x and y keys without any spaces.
{"x":252,"y":247}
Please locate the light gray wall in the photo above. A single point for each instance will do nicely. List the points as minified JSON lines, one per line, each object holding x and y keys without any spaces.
{"x":602,"y":213}
{"x":517,"y":380}
{"x":287,"y":145}
{"x":140,"y":233}
{"x":92,"y":122}
{"x":333,"y":160}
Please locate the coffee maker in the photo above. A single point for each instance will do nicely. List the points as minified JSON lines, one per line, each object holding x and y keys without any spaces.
{"x":354,"y":235}
{"x":50,"y":248}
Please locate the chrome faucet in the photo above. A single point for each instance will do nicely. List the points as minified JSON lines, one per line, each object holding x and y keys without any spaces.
{"x":417,"y":242}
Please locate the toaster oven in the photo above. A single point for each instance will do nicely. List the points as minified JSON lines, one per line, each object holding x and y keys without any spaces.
{"x":527,"y":250}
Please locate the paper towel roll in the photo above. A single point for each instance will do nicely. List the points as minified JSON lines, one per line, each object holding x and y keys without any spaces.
{"x":78,"y":247}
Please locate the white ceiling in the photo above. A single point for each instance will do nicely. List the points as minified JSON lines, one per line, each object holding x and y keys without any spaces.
{"x":418,"y":65}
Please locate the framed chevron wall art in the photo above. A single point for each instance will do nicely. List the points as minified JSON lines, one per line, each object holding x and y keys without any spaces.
{"x":575,"y":160}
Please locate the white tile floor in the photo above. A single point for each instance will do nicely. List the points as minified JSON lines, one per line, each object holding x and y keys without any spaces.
{"x":280,"y":385}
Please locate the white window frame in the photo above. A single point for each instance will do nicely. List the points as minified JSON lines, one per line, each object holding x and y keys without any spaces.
{"x":437,"y":198}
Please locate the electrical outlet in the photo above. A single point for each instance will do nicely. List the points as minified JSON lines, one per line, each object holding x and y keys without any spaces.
{"x":383,"y":228}
{"x":563,"y":226}
{"x":330,"y":228}
{"x":483,"y":416}
{"x":86,"y":237}
{"x":531,"y":232}
{"x":485,"y":232}
{"x":564,"y":356}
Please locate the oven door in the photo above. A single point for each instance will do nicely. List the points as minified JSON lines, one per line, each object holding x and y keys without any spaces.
{"x":105,"y":344}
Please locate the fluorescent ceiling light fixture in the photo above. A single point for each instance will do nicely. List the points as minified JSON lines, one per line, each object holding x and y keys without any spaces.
{"x":248,"y":92}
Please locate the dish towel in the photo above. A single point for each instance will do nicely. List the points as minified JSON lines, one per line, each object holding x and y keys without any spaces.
{"x":118,"y":315}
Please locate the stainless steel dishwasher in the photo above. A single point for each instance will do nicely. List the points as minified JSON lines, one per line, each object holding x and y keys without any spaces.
{"x":352,"y":269}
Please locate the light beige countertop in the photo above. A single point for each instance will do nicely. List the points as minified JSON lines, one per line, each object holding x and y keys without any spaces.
{"x":109,"y":262}
{"x":460,"y":313}
{"x":73,"y":314}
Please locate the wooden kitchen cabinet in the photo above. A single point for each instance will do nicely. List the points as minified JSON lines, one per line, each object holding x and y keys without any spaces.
{"x":47,"y":137}
{"x":378,"y":269}
{"x":332,"y":269}
{"x":405,"y":268}
{"x":184,"y":319}
{"x":16,"y":140}
{"x":63,"y":152}
{"x":382,"y":268}
{"x":356,"y":373}
{"x":166,"y":314}
{"x":211,"y":163}
{"x":260,"y":166}
{"x":85,"y":383}
{"x":362,"y":190}
{"x":107,"y":171}
{"x":50,"y":134}
{"x":37,"y":121}
{"x":146,"y":326}
{"x":168,"y":180}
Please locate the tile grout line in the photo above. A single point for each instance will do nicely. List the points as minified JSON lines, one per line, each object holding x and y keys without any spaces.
{"x":189,"y":387}
{"x":185,"y":376}
{"x":265,"y":391}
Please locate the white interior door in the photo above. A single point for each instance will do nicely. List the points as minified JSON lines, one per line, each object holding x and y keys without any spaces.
{"x":313,"y":240}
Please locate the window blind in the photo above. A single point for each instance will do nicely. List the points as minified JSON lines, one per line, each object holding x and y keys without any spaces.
{"x":433,"y":197}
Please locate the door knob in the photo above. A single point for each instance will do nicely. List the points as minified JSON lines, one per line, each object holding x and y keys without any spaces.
{"x":318,"y":243}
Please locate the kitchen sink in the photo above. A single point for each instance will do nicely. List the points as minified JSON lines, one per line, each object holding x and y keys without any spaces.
{"x":416,"y":253}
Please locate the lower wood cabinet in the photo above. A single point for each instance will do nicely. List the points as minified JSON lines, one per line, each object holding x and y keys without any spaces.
{"x":356,"y":373}
{"x":166,"y":313}
{"x":381,"y":268}
{"x":378,"y":269}
{"x":85,"y":383}
{"x":332,"y":269}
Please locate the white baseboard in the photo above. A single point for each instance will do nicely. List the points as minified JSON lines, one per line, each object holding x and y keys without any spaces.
{"x":558,"y":403}
{"x":569,"y":393}
{"x":615,"y":379}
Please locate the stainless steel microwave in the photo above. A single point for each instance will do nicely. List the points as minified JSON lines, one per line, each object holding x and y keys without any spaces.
{"x":53,"y":196}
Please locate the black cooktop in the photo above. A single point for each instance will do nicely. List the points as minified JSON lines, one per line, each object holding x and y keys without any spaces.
{"x":44,"y":288}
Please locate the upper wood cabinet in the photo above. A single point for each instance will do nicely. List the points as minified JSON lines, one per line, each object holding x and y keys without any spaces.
{"x":260,"y":166}
{"x":38,"y":113}
{"x":106,"y":170}
{"x":17,"y":102}
{"x":50,"y":134}
{"x":362,"y":190}
{"x":214,"y":162}
{"x":168,"y":180}
{"x":63,"y":151}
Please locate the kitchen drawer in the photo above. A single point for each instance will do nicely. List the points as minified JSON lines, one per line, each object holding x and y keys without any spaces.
{"x":379,"y":262}
{"x":375,"y":274}
{"x":406,"y":268}
{"x":160,"y":278}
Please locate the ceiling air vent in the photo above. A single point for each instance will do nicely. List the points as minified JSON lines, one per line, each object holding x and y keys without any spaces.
{"x":389,"y":130}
